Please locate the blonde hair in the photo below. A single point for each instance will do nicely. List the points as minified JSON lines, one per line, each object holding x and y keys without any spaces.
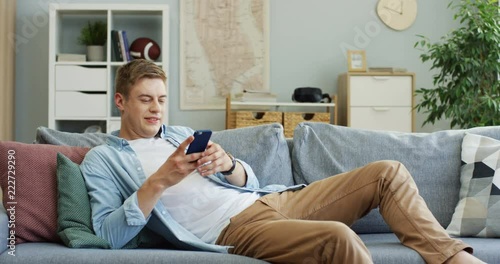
{"x":127,"y":75}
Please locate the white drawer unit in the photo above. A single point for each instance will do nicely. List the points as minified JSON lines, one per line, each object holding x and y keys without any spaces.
{"x":379,"y":101}
{"x":80,"y":104}
{"x":79,"y":78}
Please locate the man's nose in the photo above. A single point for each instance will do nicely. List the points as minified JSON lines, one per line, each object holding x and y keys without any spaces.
{"x":155,"y":107}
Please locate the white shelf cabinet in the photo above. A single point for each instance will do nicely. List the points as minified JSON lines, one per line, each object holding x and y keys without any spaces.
{"x":378,"y":101}
{"x":81,"y":94}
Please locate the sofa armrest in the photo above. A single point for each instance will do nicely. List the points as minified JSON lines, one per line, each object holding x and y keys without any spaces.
{"x":4,"y":229}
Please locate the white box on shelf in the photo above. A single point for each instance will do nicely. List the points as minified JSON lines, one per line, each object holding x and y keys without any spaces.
{"x":79,"y":104}
{"x":71,"y":57}
{"x":78,"y":78}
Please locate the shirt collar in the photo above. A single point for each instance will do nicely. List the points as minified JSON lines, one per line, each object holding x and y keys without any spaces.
{"x":119,"y":142}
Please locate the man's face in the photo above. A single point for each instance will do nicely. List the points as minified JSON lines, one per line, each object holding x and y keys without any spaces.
{"x":142,"y":111}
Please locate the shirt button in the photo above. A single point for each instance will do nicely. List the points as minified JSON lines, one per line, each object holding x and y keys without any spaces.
{"x":163,"y":212}
{"x":139,"y":168}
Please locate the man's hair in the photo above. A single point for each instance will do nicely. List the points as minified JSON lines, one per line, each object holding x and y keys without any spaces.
{"x":127,"y":75}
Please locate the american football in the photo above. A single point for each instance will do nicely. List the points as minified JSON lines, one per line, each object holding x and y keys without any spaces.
{"x":145,"y":48}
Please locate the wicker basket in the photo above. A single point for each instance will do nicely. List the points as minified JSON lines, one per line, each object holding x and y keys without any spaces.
{"x":246,"y":118}
{"x":292,"y":119}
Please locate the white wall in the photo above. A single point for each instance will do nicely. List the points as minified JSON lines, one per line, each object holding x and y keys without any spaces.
{"x":308,"y":40}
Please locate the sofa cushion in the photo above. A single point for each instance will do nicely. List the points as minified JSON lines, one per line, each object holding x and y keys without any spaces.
{"x":45,"y":135}
{"x":263,"y":147}
{"x":387,"y":249}
{"x":28,"y":180}
{"x":478,"y":210}
{"x":74,"y":213}
{"x":321,"y":150}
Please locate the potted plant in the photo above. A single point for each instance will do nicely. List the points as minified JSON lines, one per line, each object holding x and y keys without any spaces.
{"x":93,"y":35}
{"x":466,"y":88}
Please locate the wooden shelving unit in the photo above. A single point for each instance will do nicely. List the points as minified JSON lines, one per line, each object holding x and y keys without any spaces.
{"x":289,"y":114}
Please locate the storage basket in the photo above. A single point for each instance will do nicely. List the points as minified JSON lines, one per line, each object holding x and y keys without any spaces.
{"x":247,"y":118}
{"x":292,"y":119}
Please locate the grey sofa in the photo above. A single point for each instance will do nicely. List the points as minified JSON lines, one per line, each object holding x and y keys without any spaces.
{"x":316,"y":151}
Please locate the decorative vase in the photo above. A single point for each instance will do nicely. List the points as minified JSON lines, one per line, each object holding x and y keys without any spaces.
{"x":95,"y":53}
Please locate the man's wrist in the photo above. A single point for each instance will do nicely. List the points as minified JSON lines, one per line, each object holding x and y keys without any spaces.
{"x":233,"y":166}
{"x":157,"y":184}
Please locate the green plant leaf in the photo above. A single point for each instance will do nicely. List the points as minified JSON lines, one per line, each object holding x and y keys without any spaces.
{"x":93,"y":34}
{"x":466,"y":88}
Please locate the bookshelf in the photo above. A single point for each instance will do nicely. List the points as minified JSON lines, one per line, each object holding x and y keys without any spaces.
{"x":81,"y":94}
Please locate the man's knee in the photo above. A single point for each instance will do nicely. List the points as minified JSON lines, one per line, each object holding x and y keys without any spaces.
{"x":336,"y":239}
{"x":390,"y":169}
{"x":384,"y":164}
{"x":337,"y":232}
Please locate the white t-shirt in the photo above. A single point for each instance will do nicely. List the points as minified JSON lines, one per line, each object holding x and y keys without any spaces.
{"x":197,"y":203}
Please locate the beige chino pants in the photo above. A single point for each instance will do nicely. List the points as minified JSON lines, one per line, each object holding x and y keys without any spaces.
{"x":312,"y":225}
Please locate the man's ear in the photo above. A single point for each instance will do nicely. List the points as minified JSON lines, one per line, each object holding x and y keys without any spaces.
{"x":119,"y":101}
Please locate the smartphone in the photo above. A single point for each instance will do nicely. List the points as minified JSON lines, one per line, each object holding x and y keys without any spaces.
{"x":200,"y":142}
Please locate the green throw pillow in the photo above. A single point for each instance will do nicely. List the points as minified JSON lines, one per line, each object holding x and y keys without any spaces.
{"x":74,"y":223}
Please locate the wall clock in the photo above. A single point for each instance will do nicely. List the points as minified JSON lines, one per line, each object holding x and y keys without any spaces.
{"x":397,"y":14}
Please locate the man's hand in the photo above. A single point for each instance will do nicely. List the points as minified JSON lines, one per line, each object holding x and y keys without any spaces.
{"x":215,"y":159}
{"x":177,"y":166}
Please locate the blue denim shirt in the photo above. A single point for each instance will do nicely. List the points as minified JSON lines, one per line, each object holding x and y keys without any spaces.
{"x":113,"y":174}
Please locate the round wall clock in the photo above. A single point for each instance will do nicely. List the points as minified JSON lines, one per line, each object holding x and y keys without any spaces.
{"x":397,"y":14}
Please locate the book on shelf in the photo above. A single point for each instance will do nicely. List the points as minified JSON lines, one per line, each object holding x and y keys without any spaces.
{"x":255,"y":96}
{"x":126,"y":45}
{"x":386,"y":69}
{"x":71,"y":57}
{"x":115,"y":45}
{"x":251,"y":91}
{"x":120,"y":45}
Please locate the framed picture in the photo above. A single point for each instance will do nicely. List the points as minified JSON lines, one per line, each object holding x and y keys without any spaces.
{"x":356,"y":60}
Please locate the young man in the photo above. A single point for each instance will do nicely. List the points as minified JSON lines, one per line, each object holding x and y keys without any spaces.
{"x":212,"y":201}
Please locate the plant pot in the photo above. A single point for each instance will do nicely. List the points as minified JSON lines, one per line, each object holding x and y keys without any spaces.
{"x":95,"y":53}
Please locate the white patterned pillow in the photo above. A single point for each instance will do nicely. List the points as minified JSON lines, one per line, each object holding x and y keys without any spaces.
{"x":478,"y":210}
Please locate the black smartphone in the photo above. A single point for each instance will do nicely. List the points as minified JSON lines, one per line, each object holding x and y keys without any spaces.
{"x":200,"y":142}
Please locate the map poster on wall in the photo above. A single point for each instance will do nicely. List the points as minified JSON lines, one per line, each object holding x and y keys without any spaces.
{"x":224,"y":49}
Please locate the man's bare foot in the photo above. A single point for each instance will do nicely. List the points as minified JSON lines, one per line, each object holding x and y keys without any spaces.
{"x":463,"y":257}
